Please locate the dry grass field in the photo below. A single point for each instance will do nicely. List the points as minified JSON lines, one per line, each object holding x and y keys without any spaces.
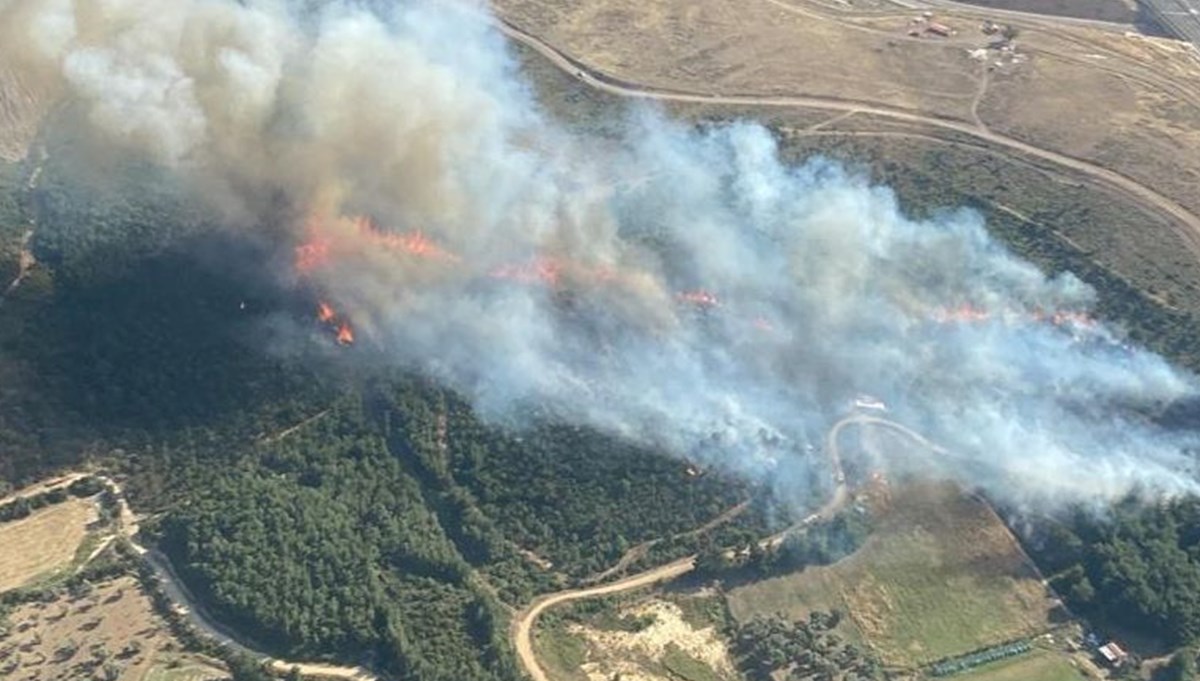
{"x":22,"y":106}
{"x":111,"y":632}
{"x":754,"y":48}
{"x":1040,"y":665}
{"x":1109,"y":110}
{"x":43,"y":542}
{"x":940,"y":576}
{"x":1126,"y":102}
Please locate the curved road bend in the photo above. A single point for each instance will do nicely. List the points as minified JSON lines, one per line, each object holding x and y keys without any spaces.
{"x":639,"y":551}
{"x":185,"y":603}
{"x":521,"y":630}
{"x":593,"y":78}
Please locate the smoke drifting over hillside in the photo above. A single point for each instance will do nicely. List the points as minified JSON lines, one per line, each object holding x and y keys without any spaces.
{"x":680,"y":287}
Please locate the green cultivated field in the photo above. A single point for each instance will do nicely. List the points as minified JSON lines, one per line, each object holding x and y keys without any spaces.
{"x":1041,"y":665}
{"x":941,"y":576}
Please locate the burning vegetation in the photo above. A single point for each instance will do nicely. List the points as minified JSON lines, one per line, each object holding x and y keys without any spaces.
{"x":328,"y":316}
{"x":967,"y":313}
{"x":342,"y":239}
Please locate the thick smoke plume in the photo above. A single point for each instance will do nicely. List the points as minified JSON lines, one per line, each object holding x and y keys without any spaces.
{"x":680,"y":287}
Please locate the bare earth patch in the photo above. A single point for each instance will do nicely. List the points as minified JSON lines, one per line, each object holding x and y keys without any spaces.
{"x":43,"y":542}
{"x":640,"y":655}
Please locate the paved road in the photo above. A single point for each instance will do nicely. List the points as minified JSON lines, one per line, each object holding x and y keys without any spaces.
{"x":521,"y":631}
{"x":1184,"y":223}
{"x":1000,"y":15}
{"x":1181,"y":17}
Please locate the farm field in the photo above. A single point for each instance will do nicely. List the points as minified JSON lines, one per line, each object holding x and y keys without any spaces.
{"x":109,"y":629}
{"x":941,"y":576}
{"x":46,"y":540}
{"x":1041,"y":665}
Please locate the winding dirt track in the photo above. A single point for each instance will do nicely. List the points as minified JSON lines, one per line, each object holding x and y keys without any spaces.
{"x":522,"y":626}
{"x":638,"y":552}
{"x":26,"y":260}
{"x":521,"y":630}
{"x":1185,"y":224}
{"x":185,"y":603}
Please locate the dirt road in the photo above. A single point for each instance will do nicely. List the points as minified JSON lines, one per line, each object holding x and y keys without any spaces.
{"x":185,"y":603}
{"x":638,"y":552}
{"x":522,"y":627}
{"x":1185,"y":224}
{"x":26,"y":260}
{"x":523,"y":623}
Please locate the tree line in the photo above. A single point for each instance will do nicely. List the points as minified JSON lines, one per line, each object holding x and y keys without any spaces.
{"x":23,"y":506}
{"x":1139,"y":567}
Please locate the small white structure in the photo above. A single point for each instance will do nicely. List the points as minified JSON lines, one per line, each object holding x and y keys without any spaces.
{"x":868,"y":402}
{"x":1113,"y":654}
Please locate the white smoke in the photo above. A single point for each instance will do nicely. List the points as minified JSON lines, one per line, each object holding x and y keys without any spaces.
{"x":823,"y":288}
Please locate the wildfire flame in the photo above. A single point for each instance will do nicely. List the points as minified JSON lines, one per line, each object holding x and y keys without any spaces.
{"x":337,"y":237}
{"x":312,"y":255}
{"x":413,"y":243}
{"x":700,"y":298}
{"x":545,"y":271}
{"x":1061,"y":318}
{"x":962,"y":313}
{"x":340,"y":327}
{"x":967,"y":313}
{"x":333,"y":238}
{"x":359,"y":234}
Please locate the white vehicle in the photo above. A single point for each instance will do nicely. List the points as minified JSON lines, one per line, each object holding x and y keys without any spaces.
{"x":868,"y":402}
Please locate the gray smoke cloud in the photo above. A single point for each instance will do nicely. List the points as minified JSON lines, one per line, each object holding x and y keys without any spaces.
{"x":680,"y":287}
